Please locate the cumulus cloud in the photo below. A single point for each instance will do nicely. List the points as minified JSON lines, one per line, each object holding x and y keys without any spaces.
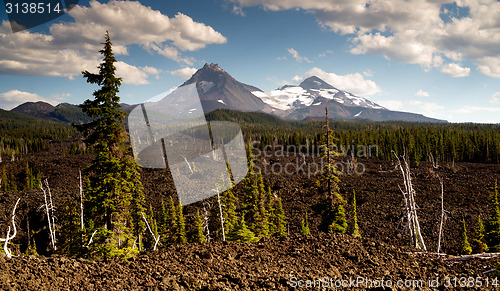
{"x":73,"y":46}
{"x":429,"y":33}
{"x":297,"y":57}
{"x":12,"y":98}
{"x":184,"y":73}
{"x":354,"y":83}
{"x":495,"y":98}
{"x":422,"y":93}
{"x":455,"y":70}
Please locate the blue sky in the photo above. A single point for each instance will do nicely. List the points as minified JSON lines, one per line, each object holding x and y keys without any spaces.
{"x":438,"y":58}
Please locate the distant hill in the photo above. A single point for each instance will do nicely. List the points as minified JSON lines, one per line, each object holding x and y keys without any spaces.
{"x":38,"y":109}
{"x":70,"y":113}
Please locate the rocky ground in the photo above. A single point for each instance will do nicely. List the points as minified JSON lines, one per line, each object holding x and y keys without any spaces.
{"x":271,"y":264}
{"x":382,"y":253}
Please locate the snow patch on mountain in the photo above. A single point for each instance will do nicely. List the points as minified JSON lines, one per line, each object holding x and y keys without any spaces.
{"x":292,"y":97}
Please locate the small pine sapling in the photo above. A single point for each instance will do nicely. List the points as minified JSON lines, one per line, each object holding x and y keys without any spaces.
{"x":241,"y":233}
{"x":339,"y":223}
{"x":354,"y":228}
{"x":198,"y":235}
{"x":465,"y":248}
{"x":479,"y":243}
{"x":280,"y":219}
{"x":180,"y":234}
{"x":304,"y":226}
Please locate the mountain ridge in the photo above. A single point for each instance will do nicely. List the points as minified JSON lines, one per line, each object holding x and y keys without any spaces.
{"x":217,"y":89}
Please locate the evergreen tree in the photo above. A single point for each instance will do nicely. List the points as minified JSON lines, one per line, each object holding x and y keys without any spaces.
{"x":279,"y":220}
{"x":241,"y":233}
{"x":304,"y":226}
{"x":479,"y":244}
{"x":113,"y":192}
{"x":5,"y":182}
{"x":261,"y":224}
{"x":354,"y":228}
{"x":171,"y":222}
{"x":198,"y":235}
{"x":339,"y":223}
{"x":229,"y":202}
{"x":492,"y":225}
{"x":328,"y":171}
{"x":465,"y":248}
{"x":180,"y":233}
{"x":163,"y":223}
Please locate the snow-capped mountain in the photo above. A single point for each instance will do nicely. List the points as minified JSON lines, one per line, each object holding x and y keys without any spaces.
{"x":217,"y":89}
{"x":309,"y":99}
{"x":311,"y":92}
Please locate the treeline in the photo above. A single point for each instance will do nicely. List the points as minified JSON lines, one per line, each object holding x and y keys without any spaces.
{"x":21,"y":135}
{"x":446,"y":142}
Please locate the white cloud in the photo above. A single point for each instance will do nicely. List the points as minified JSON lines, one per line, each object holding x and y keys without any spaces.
{"x":419,"y":32}
{"x":489,"y":66}
{"x":354,"y":83}
{"x":368,"y":73}
{"x":391,"y":104}
{"x":73,"y":46}
{"x":13,"y":98}
{"x":455,"y":70}
{"x":473,"y":109}
{"x":61,"y":96}
{"x":184,"y":73}
{"x":430,"y":109}
{"x":131,"y":74}
{"x":421,"y":93}
{"x":297,"y":57}
{"x":323,"y":54}
{"x":495,"y":98}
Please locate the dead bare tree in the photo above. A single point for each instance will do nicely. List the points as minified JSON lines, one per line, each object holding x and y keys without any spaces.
{"x":220,"y":213}
{"x":412,"y":223}
{"x":206,"y":229}
{"x":49,"y":209}
{"x":156,"y":238}
{"x":434,"y":162}
{"x":81,"y":200}
{"x":9,"y":237}
{"x":442,"y":216}
{"x":92,"y":238}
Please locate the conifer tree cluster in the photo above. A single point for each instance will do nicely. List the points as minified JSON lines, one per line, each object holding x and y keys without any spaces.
{"x":492,"y":225}
{"x":262,"y":210}
{"x":487,"y":233}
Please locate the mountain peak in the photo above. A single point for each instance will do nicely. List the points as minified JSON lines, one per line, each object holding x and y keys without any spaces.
{"x":209,"y":73}
{"x":314,"y":82}
{"x":212,"y":66}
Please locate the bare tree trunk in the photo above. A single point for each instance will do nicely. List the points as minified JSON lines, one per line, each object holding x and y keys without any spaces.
{"x":221,"y":216}
{"x":156,"y":239}
{"x":411,"y":207}
{"x":6,"y":240}
{"x":49,"y":220}
{"x":206,"y":229}
{"x":81,"y":200}
{"x":442,"y":216}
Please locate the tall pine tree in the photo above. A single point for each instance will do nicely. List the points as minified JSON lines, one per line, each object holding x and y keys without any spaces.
{"x":492,"y":225}
{"x":113,"y":192}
